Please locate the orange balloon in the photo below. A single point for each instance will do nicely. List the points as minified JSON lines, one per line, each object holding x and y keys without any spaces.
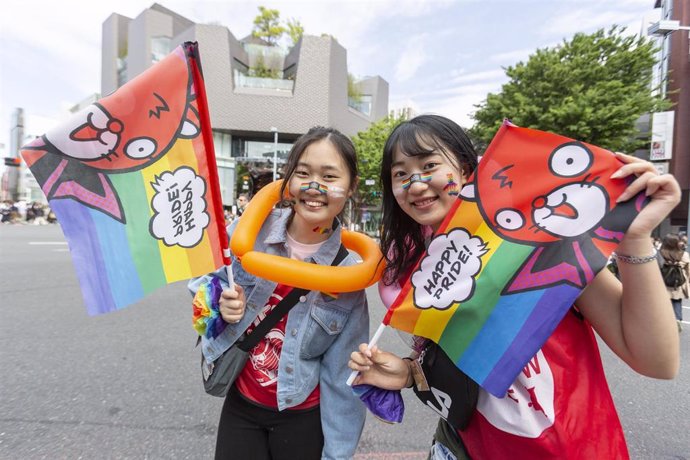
{"x":298,"y":273}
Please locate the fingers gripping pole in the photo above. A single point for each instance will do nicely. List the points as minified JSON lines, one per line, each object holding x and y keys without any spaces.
{"x":228,"y":269}
{"x":372,"y":342}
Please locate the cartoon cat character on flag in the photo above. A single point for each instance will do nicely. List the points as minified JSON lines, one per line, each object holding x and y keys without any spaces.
{"x":566,"y":214}
{"x":532,"y":227}
{"x":132,"y":179}
{"x":125,"y":131}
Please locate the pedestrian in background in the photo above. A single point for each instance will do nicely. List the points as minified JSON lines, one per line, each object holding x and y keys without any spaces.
{"x":674,"y":254}
{"x":242,"y":201}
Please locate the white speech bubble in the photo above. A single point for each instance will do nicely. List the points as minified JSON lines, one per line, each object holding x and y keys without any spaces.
{"x":446,"y":274}
{"x":180,"y":208}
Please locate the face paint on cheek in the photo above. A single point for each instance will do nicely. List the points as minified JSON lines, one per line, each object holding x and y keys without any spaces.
{"x":452,"y":187}
{"x":336,"y":192}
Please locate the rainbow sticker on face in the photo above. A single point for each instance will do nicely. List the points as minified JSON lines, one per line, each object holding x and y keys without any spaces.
{"x":451,"y":187}
{"x":415,"y":178}
{"x":323,"y":189}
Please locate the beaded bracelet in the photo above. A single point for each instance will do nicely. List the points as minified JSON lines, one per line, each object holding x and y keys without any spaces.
{"x":635,"y":259}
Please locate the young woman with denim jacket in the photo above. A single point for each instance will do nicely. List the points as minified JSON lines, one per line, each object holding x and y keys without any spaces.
{"x":631,"y":316}
{"x":291,"y":400}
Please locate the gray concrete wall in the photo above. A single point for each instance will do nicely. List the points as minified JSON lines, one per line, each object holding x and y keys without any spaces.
{"x":113,"y":39}
{"x":149,"y":24}
{"x":319,"y":95}
{"x":378,"y":88}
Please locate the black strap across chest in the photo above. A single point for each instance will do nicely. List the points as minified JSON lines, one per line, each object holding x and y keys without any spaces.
{"x":289,"y":301}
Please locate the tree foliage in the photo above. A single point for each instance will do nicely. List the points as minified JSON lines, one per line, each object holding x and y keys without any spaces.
{"x":592,"y":88}
{"x":353,"y":90}
{"x":262,"y":70}
{"x":369,"y":147}
{"x":295,"y":30}
{"x":267,"y":25}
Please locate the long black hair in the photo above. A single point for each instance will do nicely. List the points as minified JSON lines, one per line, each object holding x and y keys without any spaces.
{"x":402,"y":238}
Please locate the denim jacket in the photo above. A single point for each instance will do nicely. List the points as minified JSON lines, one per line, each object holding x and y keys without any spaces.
{"x":320,"y":334}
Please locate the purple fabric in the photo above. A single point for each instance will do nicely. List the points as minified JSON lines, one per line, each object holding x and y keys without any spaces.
{"x":386,"y":405}
{"x":216,"y":324}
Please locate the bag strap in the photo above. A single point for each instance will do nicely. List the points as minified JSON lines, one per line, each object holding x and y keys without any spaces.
{"x":289,"y":301}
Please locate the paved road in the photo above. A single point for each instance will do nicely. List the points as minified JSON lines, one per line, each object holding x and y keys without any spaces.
{"x":126,"y":385}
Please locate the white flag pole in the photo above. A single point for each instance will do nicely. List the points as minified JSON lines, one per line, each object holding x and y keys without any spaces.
{"x":372,"y":342}
{"x":228,"y":269}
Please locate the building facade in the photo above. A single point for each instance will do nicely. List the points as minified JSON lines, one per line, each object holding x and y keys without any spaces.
{"x":674,"y":71}
{"x":254,"y":91}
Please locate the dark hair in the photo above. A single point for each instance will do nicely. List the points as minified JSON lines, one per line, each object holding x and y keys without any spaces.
{"x":670,"y":248}
{"x":341,"y":142}
{"x":402,"y":239}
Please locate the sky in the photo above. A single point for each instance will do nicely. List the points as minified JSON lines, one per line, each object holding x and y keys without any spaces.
{"x":438,"y":56}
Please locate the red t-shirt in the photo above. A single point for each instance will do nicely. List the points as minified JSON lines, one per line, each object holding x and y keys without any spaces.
{"x":258,"y":381}
{"x":558,"y":407}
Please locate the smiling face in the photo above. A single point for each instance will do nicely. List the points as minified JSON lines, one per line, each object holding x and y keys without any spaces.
{"x":320,"y":187}
{"x":425,"y":186}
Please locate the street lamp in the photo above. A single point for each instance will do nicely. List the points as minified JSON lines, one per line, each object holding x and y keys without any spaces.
{"x":274,"y":130}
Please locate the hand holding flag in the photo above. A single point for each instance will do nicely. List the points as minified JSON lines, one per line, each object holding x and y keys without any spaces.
{"x":535,"y":223}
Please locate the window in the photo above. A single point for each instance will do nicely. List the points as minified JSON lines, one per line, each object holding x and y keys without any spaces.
{"x":257,"y":150}
{"x":121,"y":71}
{"x":221,"y":144}
{"x":160,"y":47}
{"x":362,"y":104}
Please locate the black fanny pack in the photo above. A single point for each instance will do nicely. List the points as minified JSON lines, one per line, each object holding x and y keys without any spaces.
{"x":447,"y":390}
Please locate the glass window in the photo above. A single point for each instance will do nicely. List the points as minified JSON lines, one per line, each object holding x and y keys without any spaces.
{"x":222,"y":144}
{"x":121,"y":71}
{"x":259,"y":149}
{"x":362,"y":104}
{"x":160,"y":47}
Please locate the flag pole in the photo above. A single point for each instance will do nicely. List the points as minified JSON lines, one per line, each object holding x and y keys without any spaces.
{"x":374,"y":340}
{"x":192,"y":51}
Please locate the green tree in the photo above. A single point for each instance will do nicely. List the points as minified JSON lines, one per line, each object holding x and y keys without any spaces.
{"x":592,"y":88}
{"x":261,"y":70}
{"x":369,"y":146}
{"x":295,"y":30}
{"x":267,"y":25}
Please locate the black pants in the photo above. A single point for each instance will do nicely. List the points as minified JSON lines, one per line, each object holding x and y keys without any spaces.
{"x":247,"y":431}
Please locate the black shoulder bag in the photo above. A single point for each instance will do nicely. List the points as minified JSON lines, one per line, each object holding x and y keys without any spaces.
{"x":219,"y":376}
{"x":448,"y":390}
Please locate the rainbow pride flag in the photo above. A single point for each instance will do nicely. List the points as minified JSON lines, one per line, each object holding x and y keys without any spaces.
{"x":534,"y":224}
{"x":133,"y":182}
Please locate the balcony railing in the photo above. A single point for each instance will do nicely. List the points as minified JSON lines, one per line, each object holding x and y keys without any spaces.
{"x":363,"y":104}
{"x":242,"y":80}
